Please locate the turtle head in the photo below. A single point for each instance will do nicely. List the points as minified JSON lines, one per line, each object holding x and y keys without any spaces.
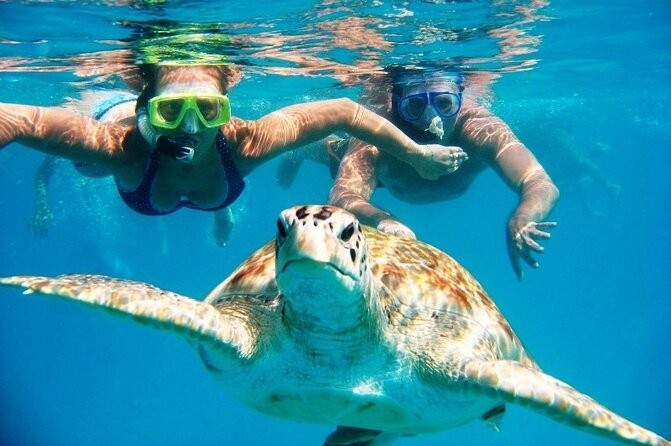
{"x":321,"y":243}
{"x":321,"y":265}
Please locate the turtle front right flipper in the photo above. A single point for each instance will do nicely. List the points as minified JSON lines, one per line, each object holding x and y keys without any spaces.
{"x":515,"y":383}
{"x":147,"y":304}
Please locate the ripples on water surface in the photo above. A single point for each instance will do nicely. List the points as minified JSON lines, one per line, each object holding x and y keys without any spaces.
{"x":577,"y":81}
{"x":497,"y":35}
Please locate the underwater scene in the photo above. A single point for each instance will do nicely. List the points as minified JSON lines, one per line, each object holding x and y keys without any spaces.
{"x":584,"y":85}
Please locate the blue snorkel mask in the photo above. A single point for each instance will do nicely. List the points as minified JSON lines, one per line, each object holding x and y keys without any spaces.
{"x":412,"y":107}
{"x":431,"y":102}
{"x":445,"y":103}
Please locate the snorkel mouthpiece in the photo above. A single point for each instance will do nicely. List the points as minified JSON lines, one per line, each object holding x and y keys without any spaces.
{"x":179,"y":150}
{"x":436,"y":127}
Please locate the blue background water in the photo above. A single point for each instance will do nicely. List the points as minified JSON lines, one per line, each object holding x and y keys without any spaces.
{"x":596,"y":313}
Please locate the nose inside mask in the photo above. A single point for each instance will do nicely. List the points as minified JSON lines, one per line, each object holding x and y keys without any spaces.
{"x":190,"y":123}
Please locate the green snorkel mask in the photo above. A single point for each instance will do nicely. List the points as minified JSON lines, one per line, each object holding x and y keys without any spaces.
{"x":168,"y":111}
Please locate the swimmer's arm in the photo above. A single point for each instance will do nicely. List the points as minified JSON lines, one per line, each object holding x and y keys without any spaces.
{"x":300,"y":124}
{"x":60,"y":132}
{"x":355,"y":183}
{"x":527,"y":226}
{"x":524,"y":174}
{"x":520,"y":169}
{"x":514,"y":162}
{"x":354,"y":186}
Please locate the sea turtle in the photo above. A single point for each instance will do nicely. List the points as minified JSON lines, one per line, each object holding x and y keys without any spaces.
{"x":337,"y":323}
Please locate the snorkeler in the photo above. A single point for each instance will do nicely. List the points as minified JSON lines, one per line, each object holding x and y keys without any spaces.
{"x":183,"y":148}
{"x":430,"y":108}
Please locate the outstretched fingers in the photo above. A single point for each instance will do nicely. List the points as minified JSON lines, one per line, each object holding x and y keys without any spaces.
{"x":526,"y":255}
{"x":516,"y":263}
{"x":525,"y":242}
{"x":540,"y":229}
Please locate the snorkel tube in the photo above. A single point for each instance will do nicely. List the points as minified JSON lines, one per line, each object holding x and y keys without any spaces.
{"x":436,"y":127}
{"x":179,"y":150}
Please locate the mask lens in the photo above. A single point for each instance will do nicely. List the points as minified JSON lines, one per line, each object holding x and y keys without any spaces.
{"x":412,"y":107}
{"x":170,"y":109}
{"x":208,"y":107}
{"x":444,"y":104}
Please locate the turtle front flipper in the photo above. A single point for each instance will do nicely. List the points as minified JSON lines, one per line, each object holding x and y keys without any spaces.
{"x":147,"y":304}
{"x":518,"y":384}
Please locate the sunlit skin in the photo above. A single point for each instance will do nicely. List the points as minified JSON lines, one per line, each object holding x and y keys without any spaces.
{"x":119,"y":146}
{"x":488,"y":142}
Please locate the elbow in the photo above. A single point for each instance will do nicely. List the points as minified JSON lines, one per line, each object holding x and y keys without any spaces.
{"x":337,"y":198}
{"x":353,"y":112}
{"x":550,"y":196}
{"x":345,"y":199}
{"x":554,"y":193}
{"x":551,"y":192}
{"x":540,"y":189}
{"x":347,"y":103}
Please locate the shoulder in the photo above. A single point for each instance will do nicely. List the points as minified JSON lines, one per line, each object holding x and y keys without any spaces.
{"x":126,"y":148}
{"x":476,"y":121}
{"x":237,"y":131}
{"x":473,"y":110}
{"x":240,"y":136}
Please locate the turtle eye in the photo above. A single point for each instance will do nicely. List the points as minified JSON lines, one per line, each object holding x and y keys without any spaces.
{"x":347,"y":233}
{"x":281,"y":230}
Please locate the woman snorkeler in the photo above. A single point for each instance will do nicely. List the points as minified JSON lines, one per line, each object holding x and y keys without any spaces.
{"x":429,"y":107}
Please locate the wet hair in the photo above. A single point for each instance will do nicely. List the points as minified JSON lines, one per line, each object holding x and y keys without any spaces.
{"x":401,"y":78}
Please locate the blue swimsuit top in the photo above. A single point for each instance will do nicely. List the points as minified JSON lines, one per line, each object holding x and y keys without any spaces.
{"x":140,"y":199}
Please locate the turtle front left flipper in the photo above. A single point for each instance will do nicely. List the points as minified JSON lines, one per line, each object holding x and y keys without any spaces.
{"x":515,"y":383}
{"x":196,"y":320}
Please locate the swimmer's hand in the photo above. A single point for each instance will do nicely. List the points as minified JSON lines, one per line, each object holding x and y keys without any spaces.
{"x":523,"y":238}
{"x":438,"y":160}
{"x":396,"y":228}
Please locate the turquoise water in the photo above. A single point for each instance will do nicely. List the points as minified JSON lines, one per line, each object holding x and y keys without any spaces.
{"x":576,"y":82}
